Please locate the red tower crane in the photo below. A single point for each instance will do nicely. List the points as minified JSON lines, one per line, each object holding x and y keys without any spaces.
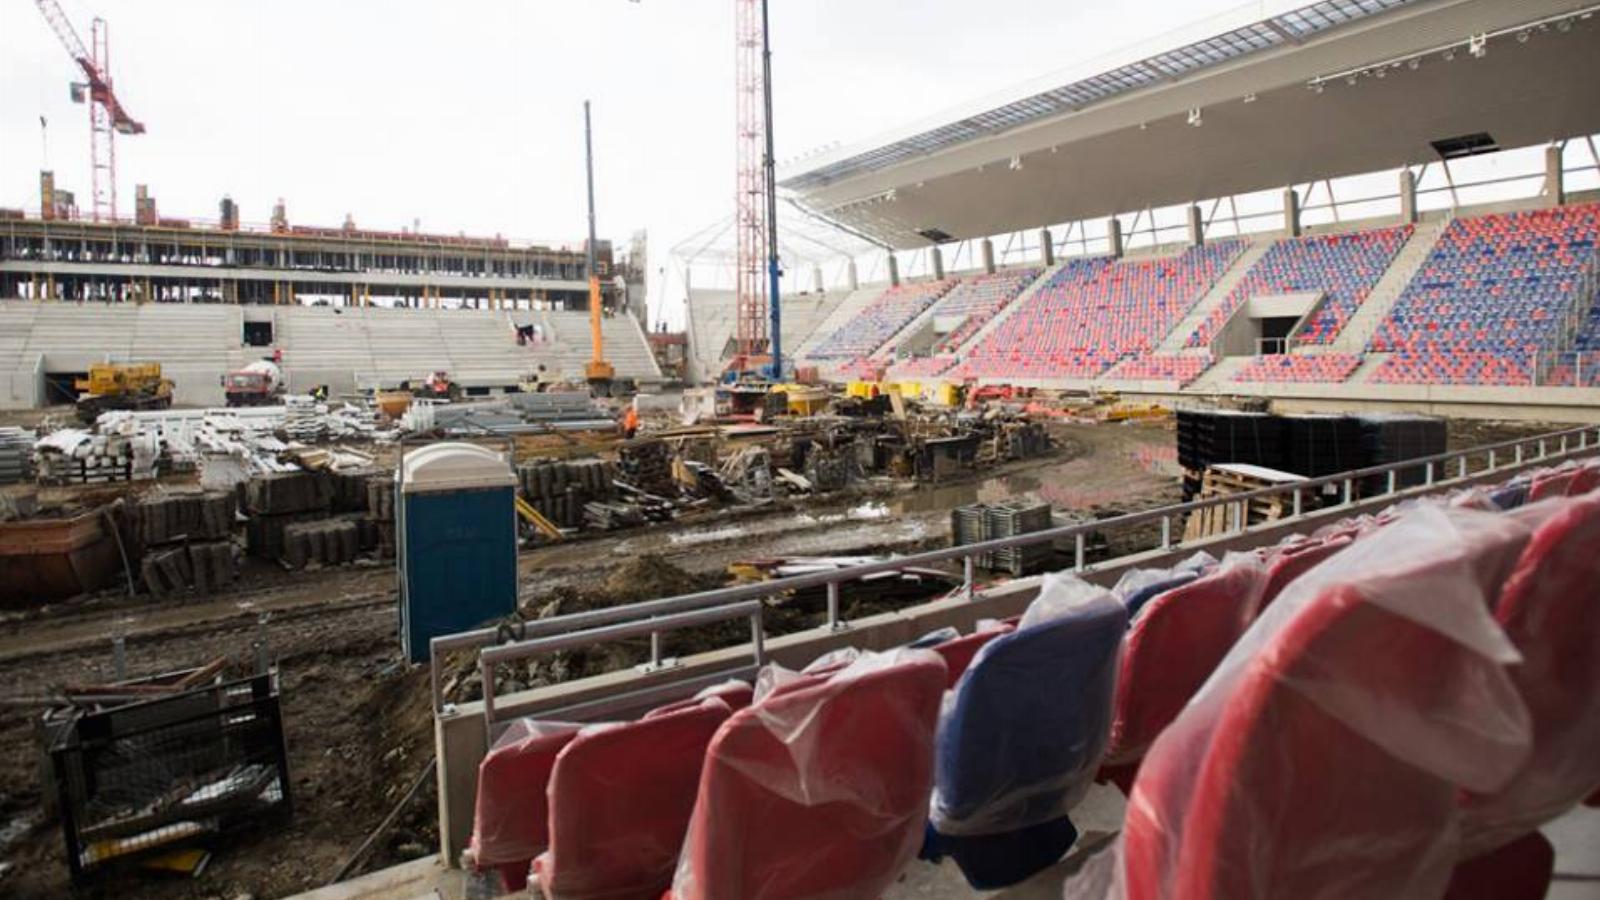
{"x":750,"y":199}
{"x":107,"y":118}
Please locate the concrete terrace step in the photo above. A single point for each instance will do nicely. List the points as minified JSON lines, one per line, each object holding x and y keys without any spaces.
{"x":1219,"y":378}
{"x":1177,"y":339}
{"x":1358,"y":330}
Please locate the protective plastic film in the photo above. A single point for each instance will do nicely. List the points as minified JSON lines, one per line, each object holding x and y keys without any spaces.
{"x":820,"y":789}
{"x":1549,"y":609}
{"x":620,"y":800}
{"x":1324,"y":758}
{"x":1022,"y":733}
{"x":509,"y":824}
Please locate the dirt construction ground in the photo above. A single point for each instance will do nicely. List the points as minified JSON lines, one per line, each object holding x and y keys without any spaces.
{"x":359,"y":727}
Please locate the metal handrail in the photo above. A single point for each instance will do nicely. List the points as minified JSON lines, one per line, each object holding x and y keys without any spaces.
{"x":493,"y":656}
{"x":662,"y":614}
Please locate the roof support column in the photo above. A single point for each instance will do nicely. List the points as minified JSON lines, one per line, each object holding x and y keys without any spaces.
{"x":1197,"y":225}
{"x":938,"y":263}
{"x":1291,"y":212}
{"x":1114,"y":236}
{"x":1047,"y":249}
{"x":852,"y":277}
{"x":988,"y":256}
{"x":1555,"y":187}
{"x":894,"y":271}
{"x":1408,"y":197}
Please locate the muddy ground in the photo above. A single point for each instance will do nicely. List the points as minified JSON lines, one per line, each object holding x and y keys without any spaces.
{"x":359,"y":728}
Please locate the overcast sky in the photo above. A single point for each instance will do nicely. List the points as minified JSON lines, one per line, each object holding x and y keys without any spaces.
{"x":467,"y":115}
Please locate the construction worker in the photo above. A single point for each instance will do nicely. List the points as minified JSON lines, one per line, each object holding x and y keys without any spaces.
{"x":630,"y":422}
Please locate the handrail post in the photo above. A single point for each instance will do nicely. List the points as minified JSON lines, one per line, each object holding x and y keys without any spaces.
{"x":1429,"y":476}
{"x":1461,"y":466}
{"x":1392,"y":482}
{"x":1166,"y":532}
{"x":1491,"y":461}
{"x":833,"y":607}
{"x":758,"y":646}
{"x":1349,"y":492}
{"x":1298,"y":494}
{"x":1519,"y":453}
{"x":968,"y":579}
{"x":1077,"y":552}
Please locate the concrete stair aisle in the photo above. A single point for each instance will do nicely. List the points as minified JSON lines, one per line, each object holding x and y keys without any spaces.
{"x":1364,"y":323}
{"x":1219,"y":378}
{"x":1177,"y":339}
{"x":1017,"y":303}
{"x":1369,"y":365}
{"x":627,"y":349}
{"x":322,"y":345}
{"x":850,"y":307}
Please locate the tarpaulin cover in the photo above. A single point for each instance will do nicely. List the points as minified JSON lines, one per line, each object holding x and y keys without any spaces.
{"x":1324,"y":758}
{"x":818,"y":791}
{"x":1174,"y":647}
{"x":620,"y":800}
{"x":1550,"y":609}
{"x":510,"y":819}
{"x":1022,"y":735}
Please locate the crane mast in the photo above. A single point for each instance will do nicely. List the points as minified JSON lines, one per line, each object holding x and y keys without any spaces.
{"x":107,"y":118}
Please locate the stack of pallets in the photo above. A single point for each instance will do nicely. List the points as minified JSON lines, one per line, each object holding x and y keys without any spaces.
{"x":1226,"y":480}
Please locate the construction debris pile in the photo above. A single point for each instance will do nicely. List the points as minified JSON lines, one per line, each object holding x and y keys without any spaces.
{"x":524,"y":413}
{"x":561,"y":490}
{"x":121,"y":452}
{"x":16,"y":455}
{"x":304,"y":519}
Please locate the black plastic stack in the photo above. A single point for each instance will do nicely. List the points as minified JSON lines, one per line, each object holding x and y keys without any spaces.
{"x":1394,"y":438}
{"x":1322,"y":445}
{"x":1208,"y":437}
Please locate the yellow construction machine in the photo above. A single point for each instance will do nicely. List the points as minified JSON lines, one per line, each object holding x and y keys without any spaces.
{"x":109,"y":386}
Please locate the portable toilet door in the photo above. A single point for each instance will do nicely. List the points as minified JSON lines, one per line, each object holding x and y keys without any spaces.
{"x":457,"y":542}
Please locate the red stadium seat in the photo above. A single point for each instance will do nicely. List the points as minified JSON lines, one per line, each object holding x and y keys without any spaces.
{"x":1325,"y":757}
{"x":958,"y":652}
{"x":510,"y":820}
{"x":819,"y":791}
{"x":1290,"y":561}
{"x":620,"y":799}
{"x":1174,"y":644}
{"x":1520,"y":870}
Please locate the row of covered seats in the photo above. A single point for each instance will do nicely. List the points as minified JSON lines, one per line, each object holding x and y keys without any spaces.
{"x":921,"y":367}
{"x":977,"y":300}
{"x":1094,"y":312}
{"x":1414,"y":700}
{"x":1494,"y":292}
{"x":1345,"y":267}
{"x":1179,"y":367}
{"x":826,"y":782}
{"x":1299,"y":368}
{"x":881,"y":320}
{"x":1581,"y":366}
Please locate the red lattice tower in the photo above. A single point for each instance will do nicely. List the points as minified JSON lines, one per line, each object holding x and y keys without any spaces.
{"x":750,"y":217}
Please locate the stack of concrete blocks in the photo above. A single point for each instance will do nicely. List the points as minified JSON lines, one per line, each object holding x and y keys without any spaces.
{"x":559,"y":490}
{"x":380,"y":507}
{"x":278,"y":500}
{"x":327,"y":542}
{"x":186,"y":540}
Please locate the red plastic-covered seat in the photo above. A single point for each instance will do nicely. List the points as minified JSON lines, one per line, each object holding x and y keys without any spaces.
{"x":1587,"y":479}
{"x":1325,"y":757}
{"x":510,"y":819}
{"x":958,"y":652}
{"x":1289,"y":562}
{"x":737,"y":694}
{"x":620,"y":800}
{"x":1553,"y":483}
{"x":1550,"y":610}
{"x":1173,"y":646}
{"x":819,"y":791}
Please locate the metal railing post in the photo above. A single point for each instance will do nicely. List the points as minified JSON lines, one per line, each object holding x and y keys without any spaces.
{"x":1166,"y":532}
{"x":1542,"y":453}
{"x":1297,"y":502}
{"x":1428,"y":478}
{"x":1392,"y":482}
{"x":1077,"y":552}
{"x":1519,"y":453}
{"x":758,"y":638}
{"x":655,"y":650}
{"x":833,"y":607}
{"x":1461,"y":467}
{"x":968,"y":579}
{"x":1491,"y":461}
{"x":1349,"y":491}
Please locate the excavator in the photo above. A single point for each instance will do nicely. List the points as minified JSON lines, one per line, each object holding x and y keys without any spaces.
{"x":111,"y":386}
{"x":599,"y":373}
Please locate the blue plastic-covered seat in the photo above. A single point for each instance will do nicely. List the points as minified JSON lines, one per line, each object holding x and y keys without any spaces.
{"x":1022,"y":737}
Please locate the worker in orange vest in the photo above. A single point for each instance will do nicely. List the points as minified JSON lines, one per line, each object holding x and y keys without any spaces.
{"x":630,"y":422}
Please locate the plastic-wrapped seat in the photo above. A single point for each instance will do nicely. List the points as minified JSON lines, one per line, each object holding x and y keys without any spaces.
{"x":1549,"y":610}
{"x":1172,"y":648}
{"x":510,"y":824}
{"x":818,"y":790}
{"x":1552,"y":483}
{"x":1023,"y":734}
{"x":959,"y":652}
{"x":735,"y":693}
{"x":1325,"y":757}
{"x":1290,"y":561}
{"x":620,"y":799}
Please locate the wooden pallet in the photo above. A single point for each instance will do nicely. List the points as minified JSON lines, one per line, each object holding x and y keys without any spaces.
{"x":1223,"y":518}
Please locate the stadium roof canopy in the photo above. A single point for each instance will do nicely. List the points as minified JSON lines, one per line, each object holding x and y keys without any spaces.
{"x":1275,"y":93}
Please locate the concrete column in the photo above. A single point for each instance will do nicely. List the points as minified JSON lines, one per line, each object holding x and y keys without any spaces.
{"x":851,"y":278}
{"x":1197,"y":226}
{"x":938,"y":264}
{"x":1555,"y":187}
{"x":1047,"y":248}
{"x":816,"y":279}
{"x":1114,"y":236}
{"x":1408,"y":197}
{"x":988,"y":256}
{"x":1291,"y":212}
{"x":894,"y":271}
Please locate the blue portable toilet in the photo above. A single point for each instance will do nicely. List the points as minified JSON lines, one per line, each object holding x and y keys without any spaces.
{"x":457,"y":542}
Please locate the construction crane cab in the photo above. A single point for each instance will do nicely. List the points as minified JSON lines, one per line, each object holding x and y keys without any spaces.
{"x":109,"y":386}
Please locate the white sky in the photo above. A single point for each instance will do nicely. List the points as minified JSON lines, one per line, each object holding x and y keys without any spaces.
{"x":467,"y":115}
